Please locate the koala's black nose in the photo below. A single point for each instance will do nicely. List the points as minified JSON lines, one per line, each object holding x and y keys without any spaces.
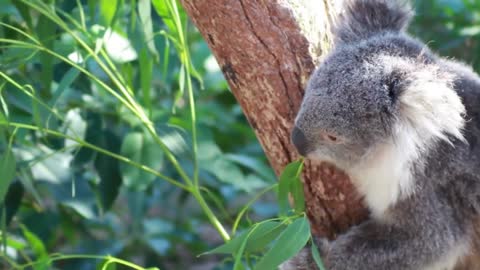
{"x":300,"y":141}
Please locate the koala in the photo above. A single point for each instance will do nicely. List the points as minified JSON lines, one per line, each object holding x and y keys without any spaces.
{"x":404,"y":123}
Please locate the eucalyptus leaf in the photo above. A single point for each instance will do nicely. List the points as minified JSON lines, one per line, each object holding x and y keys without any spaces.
{"x":35,"y":243}
{"x":24,"y":12}
{"x":162,"y":9}
{"x":146,"y":75}
{"x":8,"y":168}
{"x":288,"y":244}
{"x":108,"y":8}
{"x":257,"y":238}
{"x":316,"y":256}
{"x":145,"y":14}
{"x":141,"y":148}
{"x":12,"y":200}
{"x":64,"y":84}
{"x":288,"y":178}
{"x":109,"y":170}
{"x":45,"y":30}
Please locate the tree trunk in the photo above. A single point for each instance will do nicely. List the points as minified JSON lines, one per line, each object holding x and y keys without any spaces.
{"x":267,"y":50}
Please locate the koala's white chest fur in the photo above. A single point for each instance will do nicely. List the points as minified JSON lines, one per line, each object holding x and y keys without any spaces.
{"x":385,"y":176}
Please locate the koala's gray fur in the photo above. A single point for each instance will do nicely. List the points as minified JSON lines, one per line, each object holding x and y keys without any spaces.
{"x":404,"y":123}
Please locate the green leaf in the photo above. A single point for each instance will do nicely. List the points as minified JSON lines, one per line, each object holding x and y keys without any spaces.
{"x":64,"y":84}
{"x":12,"y":200}
{"x":46,"y":33}
{"x":14,"y":243}
{"x":166,"y":57}
{"x":287,"y":182}
{"x":8,"y":168}
{"x":145,"y":14}
{"x":141,"y":148}
{"x":258,"y":237}
{"x":146,"y":75}
{"x":35,"y":243}
{"x":92,"y":136}
{"x":162,"y":9}
{"x":181,"y":86}
{"x":253,"y":164}
{"x":174,"y":138}
{"x":298,"y":195}
{"x":470,"y":31}
{"x":24,"y":12}
{"x":108,"y":169}
{"x":288,"y":244}
{"x":316,"y":256}
{"x":237,"y":265}
{"x":108,"y":8}
{"x":3,"y":119}
{"x":91,"y":7}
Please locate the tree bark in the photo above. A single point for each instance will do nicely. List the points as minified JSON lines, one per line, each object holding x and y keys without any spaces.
{"x":267,"y":50}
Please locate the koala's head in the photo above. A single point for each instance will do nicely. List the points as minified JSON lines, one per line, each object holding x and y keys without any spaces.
{"x":377,"y":89}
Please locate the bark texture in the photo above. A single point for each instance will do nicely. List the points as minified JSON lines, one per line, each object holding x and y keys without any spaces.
{"x":267,"y":50}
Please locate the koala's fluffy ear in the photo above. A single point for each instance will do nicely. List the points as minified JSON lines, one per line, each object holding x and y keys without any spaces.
{"x":361,"y":19}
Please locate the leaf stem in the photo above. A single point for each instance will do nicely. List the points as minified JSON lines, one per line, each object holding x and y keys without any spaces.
{"x":210,"y":215}
{"x":100,"y":150}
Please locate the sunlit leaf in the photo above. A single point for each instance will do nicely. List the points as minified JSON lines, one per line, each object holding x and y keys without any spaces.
{"x":15,"y":243}
{"x":75,"y":126}
{"x":36,"y":244}
{"x":118,"y":47}
{"x":54,"y":169}
{"x":470,"y":31}
{"x":164,"y":12}
{"x":108,"y":8}
{"x":145,"y":14}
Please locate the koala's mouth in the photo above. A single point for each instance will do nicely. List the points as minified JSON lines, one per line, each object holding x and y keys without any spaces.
{"x":306,"y":147}
{"x":320,"y":155}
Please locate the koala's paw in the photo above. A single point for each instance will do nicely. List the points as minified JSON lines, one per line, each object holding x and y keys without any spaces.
{"x":323,"y":246}
{"x":302,"y":261}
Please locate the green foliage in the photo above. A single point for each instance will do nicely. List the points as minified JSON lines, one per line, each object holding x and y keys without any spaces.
{"x":7,"y":167}
{"x":451,"y":27}
{"x":119,"y":139}
{"x":290,"y":183}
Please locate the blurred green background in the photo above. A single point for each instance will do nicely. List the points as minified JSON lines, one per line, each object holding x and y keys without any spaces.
{"x":99,"y":148}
